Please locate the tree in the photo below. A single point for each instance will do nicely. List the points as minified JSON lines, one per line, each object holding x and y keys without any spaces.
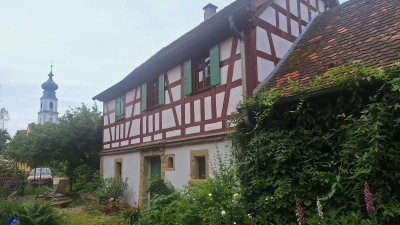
{"x":4,"y":137}
{"x":4,"y":117}
{"x":76,"y":141}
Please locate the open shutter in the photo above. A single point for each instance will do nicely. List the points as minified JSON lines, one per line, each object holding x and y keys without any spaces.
{"x":120,"y":108}
{"x":144,"y":97}
{"x":161,"y":90}
{"x":187,"y":73}
{"x":214,"y":66}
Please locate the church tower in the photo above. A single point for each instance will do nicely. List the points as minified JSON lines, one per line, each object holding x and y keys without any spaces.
{"x":48,"y":102}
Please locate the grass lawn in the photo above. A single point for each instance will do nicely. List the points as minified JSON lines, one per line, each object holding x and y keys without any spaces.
{"x":84,"y":215}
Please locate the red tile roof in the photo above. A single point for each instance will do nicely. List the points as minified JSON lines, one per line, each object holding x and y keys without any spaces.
{"x":367,"y":30}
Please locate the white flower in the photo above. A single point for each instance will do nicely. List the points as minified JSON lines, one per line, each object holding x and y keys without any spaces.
{"x":223,"y":212}
{"x":272,"y":198}
{"x":249,"y":215}
{"x":209,"y":194}
{"x":266,"y":199}
{"x":236,"y":196}
{"x":234,"y":222}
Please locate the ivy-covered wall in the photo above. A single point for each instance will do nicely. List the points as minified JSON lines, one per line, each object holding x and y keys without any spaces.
{"x":326,"y":147}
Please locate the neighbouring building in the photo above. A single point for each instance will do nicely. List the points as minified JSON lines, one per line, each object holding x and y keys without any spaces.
{"x":168,"y":116}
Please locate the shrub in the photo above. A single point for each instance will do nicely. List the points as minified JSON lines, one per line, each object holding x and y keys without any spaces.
{"x":7,"y":210}
{"x":39,"y":212}
{"x":112,"y":187}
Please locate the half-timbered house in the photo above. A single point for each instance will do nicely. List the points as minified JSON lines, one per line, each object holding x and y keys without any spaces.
{"x":169,"y":115}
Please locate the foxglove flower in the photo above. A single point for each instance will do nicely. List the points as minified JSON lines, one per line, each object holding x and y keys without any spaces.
{"x":300,"y":217}
{"x":320,"y":212}
{"x":368,"y":199}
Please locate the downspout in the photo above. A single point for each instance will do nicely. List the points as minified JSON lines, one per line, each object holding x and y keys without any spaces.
{"x":245,"y":111}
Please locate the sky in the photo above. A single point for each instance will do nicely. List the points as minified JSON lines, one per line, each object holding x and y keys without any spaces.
{"x":93,"y":44}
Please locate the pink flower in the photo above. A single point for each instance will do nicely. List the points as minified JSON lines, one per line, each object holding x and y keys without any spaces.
{"x":368,"y":199}
{"x":300,"y":217}
{"x":111,"y":200}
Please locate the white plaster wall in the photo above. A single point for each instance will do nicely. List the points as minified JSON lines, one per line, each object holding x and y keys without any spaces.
{"x":135,"y":128}
{"x":181,"y":175}
{"x":207,"y":108}
{"x":282,"y":3}
{"x":237,"y":70}
{"x":106,"y":135}
{"x":156,"y":121}
{"x":117,"y":132}
{"x":111,"y":105}
{"x":293,"y":7}
{"x":130,"y":169}
{"x":178,"y":114}
{"x":225,"y":49}
{"x":262,"y":41}
{"x":304,"y":12}
{"x":105,"y":119}
{"x":281,"y":45}
{"x":294,"y":27}
{"x":197,"y":111}
{"x":130,"y":96}
{"x":136,"y":110}
{"x":112,"y":118}
{"x":128,"y":111}
{"x":167,"y":120}
{"x":150,"y":123}
{"x":192,"y":130}
{"x":264,"y":68}
{"x":167,"y":100}
{"x":283,"y":22}
{"x":173,"y":133}
{"x":220,"y":102}
{"x":112,"y":133}
{"x":176,"y":93}
{"x":144,"y":122}
{"x":187,"y":113}
{"x":174,"y":74}
{"x":234,"y":98}
{"x":213,"y":126}
{"x":269,"y":16}
{"x":127,"y":124}
{"x":321,"y":6}
{"x":224,"y":74}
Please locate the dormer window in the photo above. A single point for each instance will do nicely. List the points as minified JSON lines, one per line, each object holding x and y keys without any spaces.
{"x":120,"y":108}
{"x":153,"y":93}
{"x":202,"y":72}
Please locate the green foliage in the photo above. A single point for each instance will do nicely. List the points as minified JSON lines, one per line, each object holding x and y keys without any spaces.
{"x":7,"y":210}
{"x":158,"y":186}
{"x":4,"y":138}
{"x":87,"y":178}
{"x":74,"y":142}
{"x":215,"y":201}
{"x":326,"y":146}
{"x":131,"y":216}
{"x":39,"y":212}
{"x":111,"y":187}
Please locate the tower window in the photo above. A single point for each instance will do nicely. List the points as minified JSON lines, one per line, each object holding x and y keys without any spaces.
{"x":51,"y":105}
{"x":41,"y":105}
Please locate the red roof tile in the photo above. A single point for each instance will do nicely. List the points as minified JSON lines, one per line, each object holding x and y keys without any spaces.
{"x":373,"y":37}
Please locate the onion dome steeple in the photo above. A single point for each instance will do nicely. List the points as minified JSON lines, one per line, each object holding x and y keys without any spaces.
{"x":49,"y":86}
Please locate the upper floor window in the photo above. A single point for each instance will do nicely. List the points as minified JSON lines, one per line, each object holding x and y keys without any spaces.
{"x":51,"y":105}
{"x":153,"y":93}
{"x":41,"y":105}
{"x":120,"y":108}
{"x":202,"y":72}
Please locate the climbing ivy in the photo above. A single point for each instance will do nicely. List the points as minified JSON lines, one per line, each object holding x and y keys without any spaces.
{"x":323,"y":147}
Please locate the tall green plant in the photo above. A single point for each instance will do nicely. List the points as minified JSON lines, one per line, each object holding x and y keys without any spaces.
{"x":324,"y":147}
{"x":111,"y":187}
{"x":39,"y":212}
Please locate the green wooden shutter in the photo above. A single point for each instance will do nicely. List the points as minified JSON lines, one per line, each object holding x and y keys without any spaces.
{"x":214,"y":66}
{"x":120,"y":108}
{"x":144,"y":97}
{"x":161,"y":90}
{"x":187,"y":73}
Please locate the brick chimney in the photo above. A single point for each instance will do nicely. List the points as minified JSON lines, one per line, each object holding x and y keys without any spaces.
{"x":209,"y":10}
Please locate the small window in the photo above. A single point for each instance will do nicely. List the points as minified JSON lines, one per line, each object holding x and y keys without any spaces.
{"x":201,"y":71}
{"x":118,"y":167}
{"x":50,"y":119}
{"x":198,"y":165}
{"x":51,"y":105}
{"x":153,"y":94}
{"x":120,"y":108}
{"x":170,"y":163}
{"x":201,"y":163}
{"x":41,"y":105}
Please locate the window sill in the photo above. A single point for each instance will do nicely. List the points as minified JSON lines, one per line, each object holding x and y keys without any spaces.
{"x":202,"y":90}
{"x":196,"y":181}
